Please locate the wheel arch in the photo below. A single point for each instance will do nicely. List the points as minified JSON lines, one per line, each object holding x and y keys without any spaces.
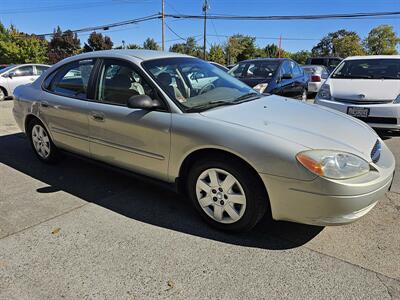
{"x":197,"y":154}
{"x":4,"y":90}
{"x":29,"y":117}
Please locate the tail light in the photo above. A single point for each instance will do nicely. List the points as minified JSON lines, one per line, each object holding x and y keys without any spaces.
{"x":316,"y":78}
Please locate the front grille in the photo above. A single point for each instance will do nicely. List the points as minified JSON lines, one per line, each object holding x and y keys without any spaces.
{"x":378,"y":120}
{"x":376,"y":151}
{"x":363,"y":102}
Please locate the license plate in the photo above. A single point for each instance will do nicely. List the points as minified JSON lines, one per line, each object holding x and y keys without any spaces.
{"x":358,"y":112}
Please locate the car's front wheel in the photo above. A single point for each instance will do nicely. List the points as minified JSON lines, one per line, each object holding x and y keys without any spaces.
{"x":2,"y":94}
{"x":41,"y":142}
{"x":227,"y":194}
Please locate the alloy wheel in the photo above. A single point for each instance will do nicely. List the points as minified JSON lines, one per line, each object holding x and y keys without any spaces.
{"x":221,"y":196}
{"x":41,"y":141}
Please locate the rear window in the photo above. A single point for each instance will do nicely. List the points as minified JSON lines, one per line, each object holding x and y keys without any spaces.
{"x":369,"y":69}
{"x":317,"y":61}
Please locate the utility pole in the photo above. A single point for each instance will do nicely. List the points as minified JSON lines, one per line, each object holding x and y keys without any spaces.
{"x":163,"y":20}
{"x":205,"y":9}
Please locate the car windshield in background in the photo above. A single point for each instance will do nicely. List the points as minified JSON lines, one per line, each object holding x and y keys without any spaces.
{"x":6,"y":69}
{"x":312,"y":70}
{"x":255,"y":69}
{"x":197,"y":85}
{"x":369,"y":69}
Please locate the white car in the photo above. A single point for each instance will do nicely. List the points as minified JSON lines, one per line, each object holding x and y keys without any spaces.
{"x":366,"y":87}
{"x":318,"y":75}
{"x":16,"y":75}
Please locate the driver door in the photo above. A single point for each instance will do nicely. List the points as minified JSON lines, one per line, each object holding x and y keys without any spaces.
{"x":134,"y":139}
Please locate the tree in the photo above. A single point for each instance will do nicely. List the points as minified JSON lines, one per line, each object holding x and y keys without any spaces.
{"x":190,"y":47}
{"x":63,"y":45}
{"x":300,"y":56}
{"x":17,"y":47}
{"x":150,"y":44}
{"x":240,"y":47}
{"x":217,"y":54}
{"x":340,"y":43}
{"x":96,"y":42}
{"x":381,"y":40}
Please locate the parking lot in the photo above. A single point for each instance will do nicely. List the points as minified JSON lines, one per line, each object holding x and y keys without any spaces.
{"x":82,"y":230}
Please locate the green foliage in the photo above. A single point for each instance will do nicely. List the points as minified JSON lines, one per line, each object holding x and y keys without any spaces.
{"x":17,"y":47}
{"x":63,"y":45}
{"x":381,"y":40}
{"x":217,"y":54}
{"x":190,"y":47}
{"x":150,"y":44}
{"x":341,"y":43}
{"x":300,"y":56}
{"x":240,"y":47}
{"x":96,"y":42}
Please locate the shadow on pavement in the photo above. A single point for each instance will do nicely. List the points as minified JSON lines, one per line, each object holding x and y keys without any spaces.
{"x":140,"y":199}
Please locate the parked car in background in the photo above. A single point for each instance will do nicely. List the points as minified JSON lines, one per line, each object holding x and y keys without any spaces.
{"x":2,"y":66}
{"x":15,"y":75}
{"x":280,"y":76}
{"x":222,"y":67}
{"x":329,"y":62}
{"x":317,"y":74}
{"x":235,"y":153}
{"x":366,"y":87}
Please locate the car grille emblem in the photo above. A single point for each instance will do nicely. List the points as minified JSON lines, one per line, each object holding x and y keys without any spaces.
{"x":361,"y":96}
{"x":376,"y":151}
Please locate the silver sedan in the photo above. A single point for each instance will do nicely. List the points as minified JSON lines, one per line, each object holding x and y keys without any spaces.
{"x":236,"y":154}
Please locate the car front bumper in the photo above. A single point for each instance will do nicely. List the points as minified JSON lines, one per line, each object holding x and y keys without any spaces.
{"x":325,"y":201}
{"x":386,"y":114}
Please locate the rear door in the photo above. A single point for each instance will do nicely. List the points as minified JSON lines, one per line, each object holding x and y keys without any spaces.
{"x":299,"y":81}
{"x":287,"y":86}
{"x":64,"y":105}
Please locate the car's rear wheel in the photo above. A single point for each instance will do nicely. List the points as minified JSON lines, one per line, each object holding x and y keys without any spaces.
{"x":41,"y":142}
{"x":226,"y":194}
{"x":2,"y":94}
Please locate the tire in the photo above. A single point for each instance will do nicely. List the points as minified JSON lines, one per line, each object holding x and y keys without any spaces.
{"x":41,"y":142}
{"x":238,"y":207}
{"x":304,"y":95}
{"x":2,"y":95}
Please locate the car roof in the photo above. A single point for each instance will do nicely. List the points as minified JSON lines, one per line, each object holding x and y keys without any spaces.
{"x":262,"y":59}
{"x":141,"y":54}
{"x":373,"y":57}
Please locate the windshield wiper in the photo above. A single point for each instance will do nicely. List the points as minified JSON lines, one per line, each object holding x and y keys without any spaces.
{"x":209,"y":105}
{"x":246,"y":97}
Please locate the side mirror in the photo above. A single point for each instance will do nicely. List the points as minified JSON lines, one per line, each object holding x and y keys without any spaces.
{"x":143,"y":102}
{"x":287,"y":76}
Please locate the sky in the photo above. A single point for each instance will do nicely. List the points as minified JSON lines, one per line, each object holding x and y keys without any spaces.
{"x":42,"y":16}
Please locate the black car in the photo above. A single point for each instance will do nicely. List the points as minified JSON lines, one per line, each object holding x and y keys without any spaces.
{"x":280,"y":76}
{"x":329,"y":62}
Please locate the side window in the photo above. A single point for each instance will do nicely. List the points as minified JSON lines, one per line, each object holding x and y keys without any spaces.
{"x":72,"y":79}
{"x":296,"y":69}
{"x":22,"y":71}
{"x":286,"y":68}
{"x":41,"y":69}
{"x":119,"y":81}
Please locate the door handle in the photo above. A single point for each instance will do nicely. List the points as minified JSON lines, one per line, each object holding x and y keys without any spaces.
{"x":97,"y":116}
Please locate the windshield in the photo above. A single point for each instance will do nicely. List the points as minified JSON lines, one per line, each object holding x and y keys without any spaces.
{"x":255,"y":69}
{"x":196,"y":84}
{"x":369,"y":69}
{"x":6,"y":69}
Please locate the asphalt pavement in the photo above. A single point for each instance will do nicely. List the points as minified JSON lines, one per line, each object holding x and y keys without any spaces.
{"x":80,"y":230}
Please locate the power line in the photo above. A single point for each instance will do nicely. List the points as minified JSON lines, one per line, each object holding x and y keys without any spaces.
{"x":179,"y":36}
{"x":293,"y":17}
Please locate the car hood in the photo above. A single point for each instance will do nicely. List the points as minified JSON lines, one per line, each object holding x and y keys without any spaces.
{"x":372,"y":89}
{"x":308,"y":125}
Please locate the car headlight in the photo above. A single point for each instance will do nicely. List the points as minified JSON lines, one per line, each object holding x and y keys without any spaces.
{"x":397,"y":101}
{"x":333,"y":164}
{"x":260,"y":87}
{"x":324,"y":92}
